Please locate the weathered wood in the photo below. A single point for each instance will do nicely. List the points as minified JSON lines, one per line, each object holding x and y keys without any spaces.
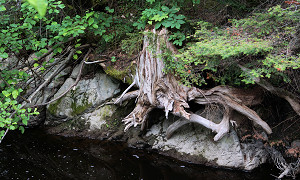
{"x":158,"y":89}
{"x":288,"y":96}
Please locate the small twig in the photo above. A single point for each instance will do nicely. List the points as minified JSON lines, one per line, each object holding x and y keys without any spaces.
{"x":4,"y":135}
{"x":93,"y":62}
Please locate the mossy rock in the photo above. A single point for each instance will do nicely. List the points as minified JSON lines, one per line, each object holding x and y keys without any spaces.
{"x":126,"y":75}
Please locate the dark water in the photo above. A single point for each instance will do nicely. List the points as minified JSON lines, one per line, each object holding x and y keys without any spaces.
{"x":37,"y":155}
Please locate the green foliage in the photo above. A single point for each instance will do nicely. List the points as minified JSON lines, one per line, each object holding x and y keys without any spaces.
{"x":133,"y":43}
{"x":36,"y":33}
{"x":276,"y":20}
{"x":177,"y":38}
{"x":39,"y":5}
{"x":12,"y":115}
{"x":256,"y":42}
{"x":29,"y":27}
{"x":163,"y":16}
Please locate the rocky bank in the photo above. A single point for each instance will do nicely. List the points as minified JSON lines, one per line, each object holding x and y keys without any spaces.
{"x":87,"y":111}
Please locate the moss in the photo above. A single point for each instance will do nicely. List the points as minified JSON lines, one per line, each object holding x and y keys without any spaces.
{"x":122,"y":74}
{"x":54,"y":106}
{"x":114,"y":120}
{"x":78,"y":109}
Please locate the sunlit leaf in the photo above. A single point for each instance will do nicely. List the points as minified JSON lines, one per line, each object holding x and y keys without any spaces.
{"x":40,"y":6}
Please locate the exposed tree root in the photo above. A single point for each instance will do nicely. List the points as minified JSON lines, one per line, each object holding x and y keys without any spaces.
{"x":120,"y":99}
{"x":287,"y":169}
{"x":160,"y":90}
{"x":288,"y":96}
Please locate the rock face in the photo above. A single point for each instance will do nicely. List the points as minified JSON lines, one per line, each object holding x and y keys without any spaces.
{"x":88,"y":93}
{"x":194,"y":143}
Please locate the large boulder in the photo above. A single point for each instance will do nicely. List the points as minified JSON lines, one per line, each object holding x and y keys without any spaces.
{"x":194,"y":143}
{"x":86,"y":94}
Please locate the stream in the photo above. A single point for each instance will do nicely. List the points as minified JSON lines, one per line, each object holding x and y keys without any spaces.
{"x":38,"y":155}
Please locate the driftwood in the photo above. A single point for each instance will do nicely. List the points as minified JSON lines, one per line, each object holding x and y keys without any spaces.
{"x":158,"y":89}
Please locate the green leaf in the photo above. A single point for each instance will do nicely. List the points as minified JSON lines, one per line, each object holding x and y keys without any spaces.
{"x":157,"y":25}
{"x":167,"y":23}
{"x":35,"y":65}
{"x":2,"y":8}
{"x":40,"y":6}
{"x":12,"y":127}
{"x":109,"y":10}
{"x":2,"y":133}
{"x":75,"y":56}
{"x":113,"y":59}
{"x":15,"y":94}
{"x":165,"y":8}
{"x":91,"y":21}
{"x":95,"y":26}
{"x":180,"y":16}
{"x":150,"y":1}
{"x":24,"y":121}
{"x":22,"y":129}
{"x":89,"y":14}
{"x":6,"y":94}
{"x":59,"y":50}
{"x":3,"y":55}
{"x":77,"y":45}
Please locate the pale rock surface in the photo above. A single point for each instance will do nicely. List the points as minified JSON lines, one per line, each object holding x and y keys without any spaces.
{"x":194,"y":143}
{"x":99,"y":117}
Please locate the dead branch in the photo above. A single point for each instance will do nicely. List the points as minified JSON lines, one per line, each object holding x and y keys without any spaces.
{"x":51,"y":67}
{"x":60,"y":68}
{"x":73,"y":85}
{"x":118,"y":101}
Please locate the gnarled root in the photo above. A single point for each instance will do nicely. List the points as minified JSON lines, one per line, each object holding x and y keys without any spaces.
{"x":127,"y":96}
{"x":288,"y":96}
{"x":287,"y":169}
{"x":228,"y":96}
{"x":160,"y":90}
{"x":137,"y":117}
{"x":221,"y":129}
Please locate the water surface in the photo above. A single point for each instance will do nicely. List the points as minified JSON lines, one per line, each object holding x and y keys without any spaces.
{"x":37,"y":155}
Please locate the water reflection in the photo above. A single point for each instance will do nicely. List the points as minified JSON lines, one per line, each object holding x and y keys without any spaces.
{"x":36,"y":155}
